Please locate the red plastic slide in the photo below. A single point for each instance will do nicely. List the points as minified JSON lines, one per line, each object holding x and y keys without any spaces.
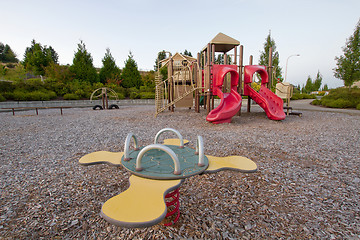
{"x":272,"y":104}
{"x":230,"y":102}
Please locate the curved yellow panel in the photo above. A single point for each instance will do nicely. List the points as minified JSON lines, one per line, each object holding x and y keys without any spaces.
{"x":237,"y":163}
{"x":141,"y":205}
{"x":174,"y":141}
{"x":113,"y":158}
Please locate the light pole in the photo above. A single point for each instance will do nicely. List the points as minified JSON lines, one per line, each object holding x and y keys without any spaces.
{"x":297,"y":55}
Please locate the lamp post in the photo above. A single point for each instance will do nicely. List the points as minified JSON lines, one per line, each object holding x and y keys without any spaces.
{"x":294,"y":55}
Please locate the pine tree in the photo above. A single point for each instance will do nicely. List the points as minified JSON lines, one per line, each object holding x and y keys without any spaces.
{"x":82,"y":66}
{"x":161,"y":56}
{"x":186,"y":53}
{"x":348,"y":65}
{"x":130,"y":74}
{"x":7,"y":55}
{"x":317,"y":82}
{"x":37,"y":58}
{"x":308,"y":86}
{"x":109,"y":70}
{"x":264,"y":58}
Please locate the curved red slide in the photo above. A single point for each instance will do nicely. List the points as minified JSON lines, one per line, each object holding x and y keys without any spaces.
{"x":267,"y":100}
{"x":230,"y":102}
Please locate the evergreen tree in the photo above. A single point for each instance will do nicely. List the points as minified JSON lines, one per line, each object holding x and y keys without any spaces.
{"x":264,"y":58}
{"x":348,"y":65}
{"x":161,"y":56}
{"x":186,"y":53}
{"x":109,"y":70}
{"x":317,"y":82}
{"x":308,"y":86}
{"x":82,"y":66}
{"x":130,"y":74}
{"x":7,"y":55}
{"x":325,"y":88}
{"x":37,"y":58}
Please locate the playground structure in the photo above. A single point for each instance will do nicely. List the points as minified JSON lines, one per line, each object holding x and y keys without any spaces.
{"x":105,"y":94}
{"x":158,"y":172}
{"x":192,"y":82}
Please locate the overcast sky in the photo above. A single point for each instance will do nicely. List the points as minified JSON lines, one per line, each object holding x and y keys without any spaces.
{"x":315,"y":29}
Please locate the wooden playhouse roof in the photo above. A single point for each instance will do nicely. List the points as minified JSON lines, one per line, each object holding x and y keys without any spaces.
{"x":223,"y":43}
{"x":177,"y":57}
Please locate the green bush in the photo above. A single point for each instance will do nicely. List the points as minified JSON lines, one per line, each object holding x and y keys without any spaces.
{"x":71,"y":96}
{"x":20,"y":95}
{"x":342,"y":98}
{"x":121,"y":96}
{"x":297,"y":96}
{"x":33,"y":84}
{"x":2,"y":98}
{"x":316,"y":102}
{"x":41,"y":96}
{"x":147,"y":95}
{"x":134,"y":95}
{"x":8,"y":95}
{"x":358,"y":106}
{"x":339,"y":103}
{"x":147,"y":89}
{"x":6,"y":86}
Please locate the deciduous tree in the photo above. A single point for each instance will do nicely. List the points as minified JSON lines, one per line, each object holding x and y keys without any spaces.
{"x":348,"y":65}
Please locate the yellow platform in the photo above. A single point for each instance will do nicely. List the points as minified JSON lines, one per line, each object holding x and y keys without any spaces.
{"x":236,"y":163}
{"x":141,"y":205}
{"x":113,"y":158}
{"x":174,"y":141}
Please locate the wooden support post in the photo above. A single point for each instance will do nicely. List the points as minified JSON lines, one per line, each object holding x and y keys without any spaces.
{"x":106,"y":100}
{"x":37,"y":112}
{"x":13,"y":110}
{"x":208,"y":77}
{"x":270,"y":69}
{"x":61,"y":110}
{"x":103,"y":101}
{"x":235,"y":55}
{"x":171,"y":85}
{"x":249,"y":99}
{"x":240,"y":87}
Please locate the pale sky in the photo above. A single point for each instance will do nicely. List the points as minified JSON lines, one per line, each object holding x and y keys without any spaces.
{"x":315,"y":29}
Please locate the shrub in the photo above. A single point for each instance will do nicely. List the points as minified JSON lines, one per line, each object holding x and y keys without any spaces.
{"x":358,"y":106}
{"x":2,"y":98}
{"x":134,"y":95}
{"x":147,"y":95}
{"x":340,"y":103}
{"x":6,"y":86}
{"x":121,"y":96}
{"x":316,"y":102}
{"x":297,"y":96}
{"x":33,"y":84}
{"x":41,"y":96}
{"x":20,"y":95}
{"x":147,"y":89}
{"x":71,"y":96}
{"x":8,"y":95}
{"x":342,"y":98}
